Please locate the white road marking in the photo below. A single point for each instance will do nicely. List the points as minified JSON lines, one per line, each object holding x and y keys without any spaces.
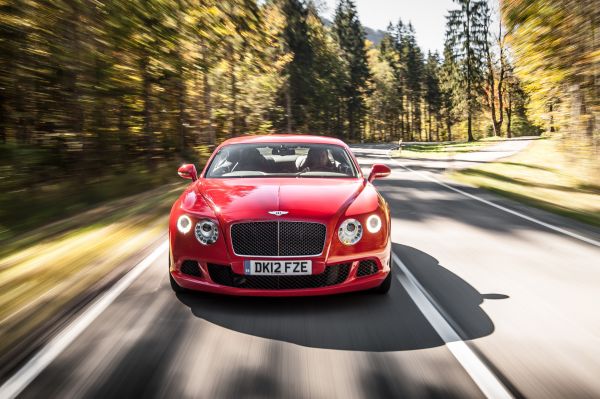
{"x":26,"y":374}
{"x":502,"y":208}
{"x":477,"y":370}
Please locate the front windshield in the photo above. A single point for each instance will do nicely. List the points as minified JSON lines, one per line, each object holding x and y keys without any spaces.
{"x":282,"y":160}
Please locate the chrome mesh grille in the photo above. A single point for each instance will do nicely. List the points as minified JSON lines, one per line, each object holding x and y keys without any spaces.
{"x":278,"y":238}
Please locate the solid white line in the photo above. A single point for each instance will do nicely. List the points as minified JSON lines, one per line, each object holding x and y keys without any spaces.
{"x":26,"y":374}
{"x":502,"y":208}
{"x":477,"y":370}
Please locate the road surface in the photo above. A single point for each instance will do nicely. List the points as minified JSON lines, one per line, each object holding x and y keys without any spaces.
{"x":485,"y":293}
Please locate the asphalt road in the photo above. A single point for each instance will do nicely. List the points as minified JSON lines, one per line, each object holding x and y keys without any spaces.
{"x":522,"y":296}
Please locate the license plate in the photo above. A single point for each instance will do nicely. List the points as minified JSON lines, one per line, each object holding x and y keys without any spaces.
{"x":278,"y":267}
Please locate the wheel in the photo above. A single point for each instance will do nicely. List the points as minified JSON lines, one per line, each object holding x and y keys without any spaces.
{"x":174,"y":286}
{"x":384,"y":287}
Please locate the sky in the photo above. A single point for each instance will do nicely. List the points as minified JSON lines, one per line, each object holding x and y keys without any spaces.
{"x":427,"y":17}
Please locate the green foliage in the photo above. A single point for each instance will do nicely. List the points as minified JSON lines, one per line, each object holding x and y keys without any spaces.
{"x":350,"y":36}
{"x":466,"y":40}
{"x":555,"y":45}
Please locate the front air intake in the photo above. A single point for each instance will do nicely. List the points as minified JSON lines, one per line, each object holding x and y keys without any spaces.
{"x":191,"y":268}
{"x":366,"y":268}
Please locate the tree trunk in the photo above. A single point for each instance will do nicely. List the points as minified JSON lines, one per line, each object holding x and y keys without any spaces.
{"x":146,"y":99}
{"x":207,"y":97}
{"x":73,"y":71}
{"x":508,"y":113}
{"x":288,"y":108}
{"x":181,"y":118}
{"x":2,"y":119}
{"x":469,"y":127}
{"x":181,"y":94}
{"x":429,"y":122}
{"x":470,"y":99}
{"x":122,"y":132}
{"x":233,"y":86}
{"x":551,"y":120}
{"x":495,"y":91}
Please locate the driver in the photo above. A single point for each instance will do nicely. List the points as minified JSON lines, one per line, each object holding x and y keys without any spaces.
{"x":317,"y":159}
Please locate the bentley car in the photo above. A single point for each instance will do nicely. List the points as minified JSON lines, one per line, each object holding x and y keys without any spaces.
{"x":280,"y":215}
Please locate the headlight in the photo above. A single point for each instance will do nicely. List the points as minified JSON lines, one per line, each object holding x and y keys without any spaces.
{"x":184,"y":224}
{"x":373,"y":224}
{"x":207,"y":231}
{"x":350,"y":232}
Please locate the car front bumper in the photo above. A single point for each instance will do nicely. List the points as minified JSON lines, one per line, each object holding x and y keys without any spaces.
{"x":206,"y":280}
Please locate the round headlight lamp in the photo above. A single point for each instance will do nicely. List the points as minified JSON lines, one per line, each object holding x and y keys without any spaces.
{"x":373,"y":223}
{"x":350,"y":232}
{"x":184,"y":224}
{"x":206,"y":231}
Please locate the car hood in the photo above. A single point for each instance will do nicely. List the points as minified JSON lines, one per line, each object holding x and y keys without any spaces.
{"x":302,"y":198}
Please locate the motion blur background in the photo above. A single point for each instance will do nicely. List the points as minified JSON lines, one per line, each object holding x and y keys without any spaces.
{"x":98,"y":97}
{"x":103,"y":99}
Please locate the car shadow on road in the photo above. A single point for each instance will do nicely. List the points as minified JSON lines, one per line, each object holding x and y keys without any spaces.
{"x":357,"y":322}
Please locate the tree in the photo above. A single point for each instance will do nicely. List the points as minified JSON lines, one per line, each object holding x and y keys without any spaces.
{"x":450,"y":90}
{"x":351,"y":37}
{"x":466,"y":38}
{"x":496,"y":71}
{"x":555,"y":46}
{"x":300,"y":83}
{"x":414,"y":79}
{"x":330,"y":72}
{"x":515,"y":99}
{"x":391,"y":52}
{"x":382,"y":103}
{"x":433,"y":95}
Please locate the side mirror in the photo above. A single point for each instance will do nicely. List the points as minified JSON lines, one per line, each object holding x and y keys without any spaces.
{"x":378,"y":171}
{"x":188,"y":171}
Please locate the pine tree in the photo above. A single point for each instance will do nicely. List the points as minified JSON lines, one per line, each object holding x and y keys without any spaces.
{"x":495,"y":70}
{"x":414,"y":79}
{"x":300,"y":83}
{"x":466,"y":38}
{"x":329,"y":72}
{"x":432,"y":95}
{"x":390,"y":49}
{"x":450,"y":90}
{"x":351,"y":36}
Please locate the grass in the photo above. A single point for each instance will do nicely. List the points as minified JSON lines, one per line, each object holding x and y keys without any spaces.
{"x":442,"y":150}
{"x":25,"y":207}
{"x":542,"y":176}
{"x":61,"y":262}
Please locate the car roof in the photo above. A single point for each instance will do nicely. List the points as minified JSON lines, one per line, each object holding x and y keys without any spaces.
{"x":284,"y":138}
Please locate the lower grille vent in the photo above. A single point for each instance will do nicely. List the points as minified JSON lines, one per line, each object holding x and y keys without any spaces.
{"x":191,"y":268}
{"x":366,"y":268}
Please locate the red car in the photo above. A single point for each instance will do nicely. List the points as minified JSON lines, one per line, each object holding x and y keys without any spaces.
{"x":280,"y":215}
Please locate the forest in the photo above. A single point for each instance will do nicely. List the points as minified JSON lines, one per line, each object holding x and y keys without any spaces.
{"x":94,"y":89}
